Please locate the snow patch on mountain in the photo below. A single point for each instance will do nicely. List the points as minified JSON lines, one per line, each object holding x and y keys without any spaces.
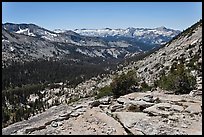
{"x":113,"y":52}
{"x":59,"y":31}
{"x":25,"y":31}
{"x":4,"y":40}
{"x":11,"y":48}
{"x":85,"y":52}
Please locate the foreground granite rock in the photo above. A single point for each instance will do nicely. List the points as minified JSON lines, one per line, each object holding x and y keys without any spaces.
{"x":172,"y":115}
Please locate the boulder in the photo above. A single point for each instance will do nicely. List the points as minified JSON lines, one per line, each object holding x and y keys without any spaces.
{"x":161,"y":109}
{"x":199,"y":86}
{"x":116,"y":107}
{"x":177,"y":108}
{"x":75,"y":114}
{"x":93,"y":122}
{"x":129,"y":119}
{"x":95,"y":103}
{"x":192,"y":93}
{"x":194,"y":108}
{"x":148,"y":98}
{"x":105,"y":101}
{"x":65,"y":113}
{"x":78,"y":107}
{"x":142,"y":104}
{"x":123,"y":100}
{"x":196,"y":93}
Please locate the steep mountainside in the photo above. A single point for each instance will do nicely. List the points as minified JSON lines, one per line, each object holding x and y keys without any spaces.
{"x":185,"y":48}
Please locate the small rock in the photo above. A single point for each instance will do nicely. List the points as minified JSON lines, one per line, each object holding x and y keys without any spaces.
{"x":142,"y":104}
{"x":74,"y":114}
{"x":173,"y":118}
{"x":65,"y":114}
{"x":115,"y":107}
{"x":165,"y":120}
{"x":163,"y":105}
{"x":148,"y":98}
{"x":122,"y":100}
{"x":54,"y":124}
{"x":198,"y":93}
{"x":94,"y":130}
{"x":104,"y":124}
{"x":159,"y":109}
{"x":88,"y":128}
{"x":77,"y":107}
{"x":199,"y":82}
{"x":81,"y":110}
{"x":156,"y":100}
{"x":192,"y":93}
{"x":184,"y":126}
{"x":95,"y":103}
{"x":131,"y":98}
{"x":109,"y":132}
{"x":199,"y":87}
{"x":177,"y":108}
{"x":113,"y":129}
{"x":60,"y":123}
{"x":105,"y":101}
{"x":103,"y":106}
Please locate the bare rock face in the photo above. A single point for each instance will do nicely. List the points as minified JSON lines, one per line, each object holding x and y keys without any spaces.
{"x":173,"y":115}
{"x":129,"y":119}
{"x":93,"y":122}
{"x":39,"y":121}
{"x":159,"y":109}
{"x":194,"y":108}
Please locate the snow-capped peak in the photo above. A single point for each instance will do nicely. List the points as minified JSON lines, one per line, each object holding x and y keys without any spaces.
{"x":59,"y":30}
{"x":161,"y":28}
{"x":153,"y":36}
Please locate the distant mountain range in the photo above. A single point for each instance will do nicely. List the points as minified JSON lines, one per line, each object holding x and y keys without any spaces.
{"x":158,"y":35}
{"x":20,"y":41}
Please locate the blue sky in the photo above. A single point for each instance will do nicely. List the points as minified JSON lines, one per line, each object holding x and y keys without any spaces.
{"x":78,"y":15}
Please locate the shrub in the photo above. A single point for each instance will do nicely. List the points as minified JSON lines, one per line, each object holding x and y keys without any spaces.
{"x":179,"y":80}
{"x":192,"y":61}
{"x":133,"y":108}
{"x":105,"y":91}
{"x":122,"y":84}
{"x":145,"y":87}
{"x":73,"y":100}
